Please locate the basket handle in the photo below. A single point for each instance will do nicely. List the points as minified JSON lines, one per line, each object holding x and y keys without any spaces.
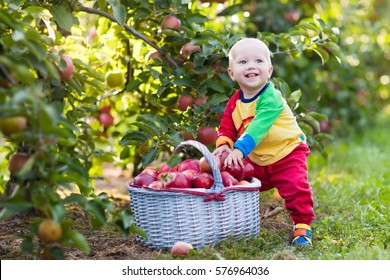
{"x":218,"y":185}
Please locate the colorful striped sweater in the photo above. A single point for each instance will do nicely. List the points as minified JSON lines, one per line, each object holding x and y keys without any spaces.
{"x":262,"y":128}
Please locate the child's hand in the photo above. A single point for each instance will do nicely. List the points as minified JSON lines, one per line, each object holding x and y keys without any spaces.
{"x":234,"y":158}
{"x":218,"y":151}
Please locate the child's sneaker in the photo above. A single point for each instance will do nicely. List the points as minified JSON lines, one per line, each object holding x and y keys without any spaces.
{"x":302,"y":235}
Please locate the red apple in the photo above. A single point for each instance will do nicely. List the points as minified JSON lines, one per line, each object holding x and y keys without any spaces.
{"x":166,"y":168}
{"x":177,"y":180}
{"x":185,"y":101}
{"x":105,"y":109}
{"x":17,"y":161}
{"x":249,"y":171}
{"x":228,"y":180}
{"x":11,"y":125}
{"x":190,"y":173}
{"x":151,"y":171}
{"x":106,"y":119}
{"x":189,"y":49}
{"x":143,"y":180}
{"x":92,"y":33}
{"x":291,"y":16}
{"x":69,"y":68}
{"x":204,"y":165}
{"x":181,"y":248}
{"x":157,"y":185}
{"x":189,"y":164}
{"x":187,"y":135}
{"x":202,"y":180}
{"x":243,"y":182}
{"x":171,"y":22}
{"x":200,"y":100}
{"x":207,"y":135}
{"x":324,"y":126}
{"x":236,"y":171}
{"x":156,"y":56}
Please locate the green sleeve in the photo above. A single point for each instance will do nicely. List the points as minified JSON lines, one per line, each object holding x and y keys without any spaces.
{"x":268,"y":108}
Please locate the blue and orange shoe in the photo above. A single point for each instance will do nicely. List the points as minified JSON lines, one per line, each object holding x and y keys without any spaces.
{"x":302,"y":235}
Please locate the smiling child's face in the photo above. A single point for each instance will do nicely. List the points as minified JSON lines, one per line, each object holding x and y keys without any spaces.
{"x":250,"y":65}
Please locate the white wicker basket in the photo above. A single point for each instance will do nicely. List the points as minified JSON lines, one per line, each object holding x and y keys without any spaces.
{"x":199,"y":217}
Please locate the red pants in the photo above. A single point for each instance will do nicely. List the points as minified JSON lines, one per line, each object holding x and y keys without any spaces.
{"x":289,"y":177}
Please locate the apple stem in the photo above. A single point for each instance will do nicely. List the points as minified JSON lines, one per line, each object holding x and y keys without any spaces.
{"x":129,"y":29}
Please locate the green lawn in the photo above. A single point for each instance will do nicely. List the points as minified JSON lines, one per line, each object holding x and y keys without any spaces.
{"x":352,"y":204}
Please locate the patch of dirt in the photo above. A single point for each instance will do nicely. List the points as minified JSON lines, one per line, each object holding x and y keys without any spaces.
{"x":105,"y":243}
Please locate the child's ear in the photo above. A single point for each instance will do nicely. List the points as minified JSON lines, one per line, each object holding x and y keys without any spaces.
{"x":230,"y":72}
{"x":270,"y":70}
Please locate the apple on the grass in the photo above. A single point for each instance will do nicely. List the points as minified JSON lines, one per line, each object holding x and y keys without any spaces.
{"x":181,"y":248}
{"x":202,"y":180}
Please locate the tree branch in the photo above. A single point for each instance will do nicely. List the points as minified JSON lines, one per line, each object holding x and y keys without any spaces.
{"x":130,"y":30}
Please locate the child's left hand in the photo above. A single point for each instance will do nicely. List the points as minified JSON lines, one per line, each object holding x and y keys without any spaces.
{"x":234,"y":158}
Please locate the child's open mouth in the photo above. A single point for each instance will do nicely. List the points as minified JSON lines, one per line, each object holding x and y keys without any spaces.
{"x":251,"y":75}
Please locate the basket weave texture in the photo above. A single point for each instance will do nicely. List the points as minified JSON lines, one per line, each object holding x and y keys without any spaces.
{"x":197,"y":217}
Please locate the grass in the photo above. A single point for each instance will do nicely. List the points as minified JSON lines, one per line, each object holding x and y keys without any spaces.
{"x":352,"y":203}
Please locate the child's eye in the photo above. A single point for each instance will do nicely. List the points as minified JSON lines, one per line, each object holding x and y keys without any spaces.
{"x":259,"y":60}
{"x":242,"y":62}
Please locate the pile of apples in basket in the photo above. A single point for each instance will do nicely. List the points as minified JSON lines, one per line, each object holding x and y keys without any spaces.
{"x":193,"y":173}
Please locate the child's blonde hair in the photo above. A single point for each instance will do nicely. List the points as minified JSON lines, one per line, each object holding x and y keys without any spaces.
{"x":244,"y":40}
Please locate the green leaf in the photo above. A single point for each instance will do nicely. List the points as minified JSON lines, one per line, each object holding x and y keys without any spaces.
{"x":75,"y":198}
{"x":134,"y":137}
{"x":312,"y":122}
{"x":96,"y":214}
{"x":150,"y":156}
{"x":336,"y":51}
{"x":174,"y":160}
{"x":308,"y":25}
{"x":295,"y":95}
{"x":322,"y":53}
{"x":299,"y":32}
{"x":215,"y":85}
{"x":119,"y":13}
{"x":62,"y":16}
{"x":318,"y":116}
{"x":138,"y":230}
{"x":77,"y":240}
{"x":307,"y":129}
